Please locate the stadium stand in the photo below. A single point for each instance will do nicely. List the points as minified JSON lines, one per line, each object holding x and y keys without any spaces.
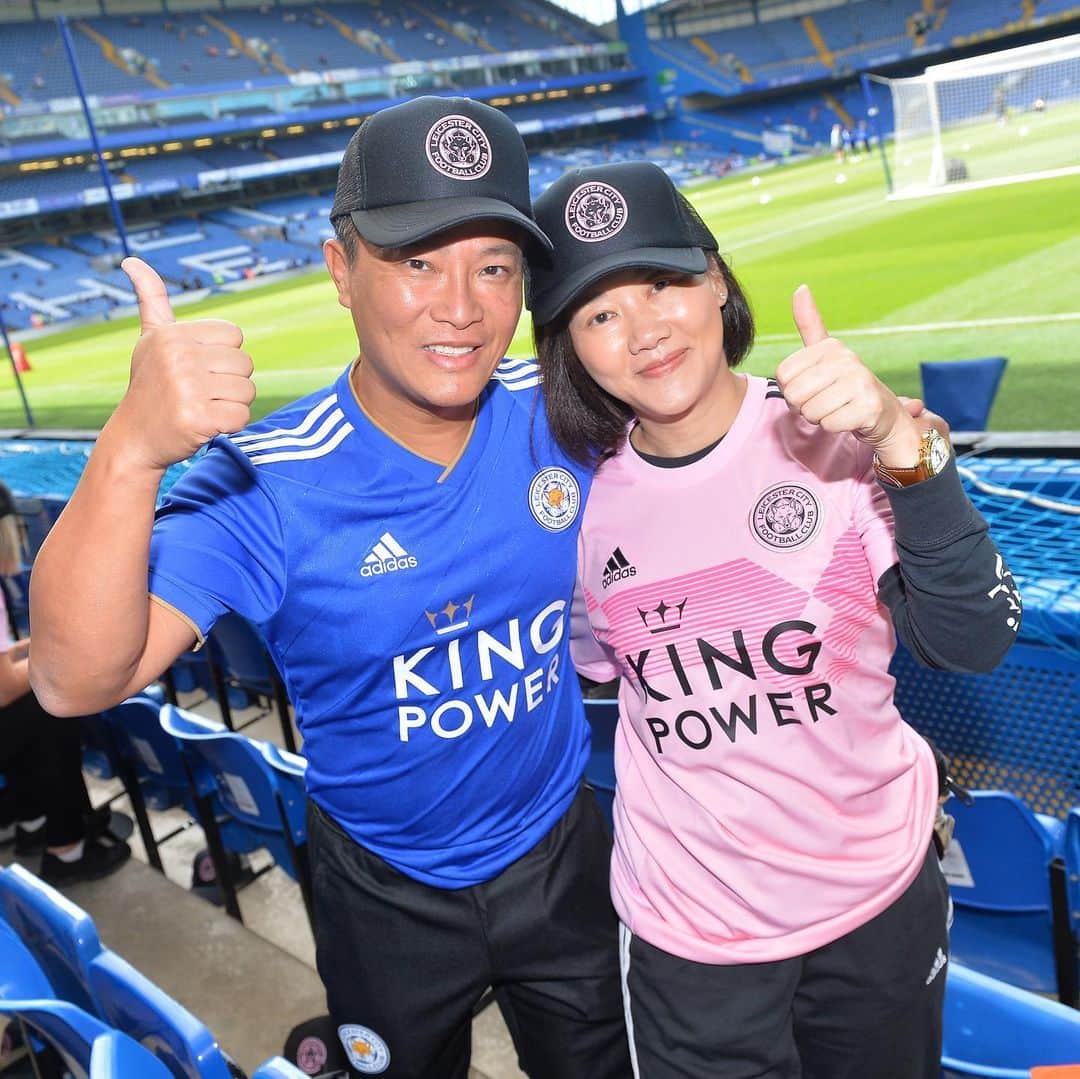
{"x":98,"y":994}
{"x":258,"y":90}
{"x":258,"y":788}
{"x":1011,"y":917}
{"x":103,"y":1053}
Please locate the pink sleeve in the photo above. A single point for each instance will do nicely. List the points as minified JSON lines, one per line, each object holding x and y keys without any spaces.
{"x":590,"y":657}
{"x":873,"y":515}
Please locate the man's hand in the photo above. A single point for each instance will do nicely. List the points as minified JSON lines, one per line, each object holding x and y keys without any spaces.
{"x":189,"y":381}
{"x":827,"y":384}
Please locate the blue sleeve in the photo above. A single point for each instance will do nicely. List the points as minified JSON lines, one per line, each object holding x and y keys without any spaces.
{"x":217,"y":543}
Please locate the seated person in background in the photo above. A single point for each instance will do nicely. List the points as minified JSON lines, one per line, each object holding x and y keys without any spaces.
{"x":44,"y":805}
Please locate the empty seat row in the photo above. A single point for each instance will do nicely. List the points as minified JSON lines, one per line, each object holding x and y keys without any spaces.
{"x":90,"y":1004}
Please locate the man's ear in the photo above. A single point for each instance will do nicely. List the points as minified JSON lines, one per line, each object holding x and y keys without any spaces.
{"x":337,"y":262}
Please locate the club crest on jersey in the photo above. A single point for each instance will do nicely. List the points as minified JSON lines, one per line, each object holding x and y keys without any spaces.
{"x":457,"y":147}
{"x":785,"y":516}
{"x":595,"y":212}
{"x":367,"y":1052}
{"x":554,"y":498}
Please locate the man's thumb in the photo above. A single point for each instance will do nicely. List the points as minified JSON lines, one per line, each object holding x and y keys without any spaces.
{"x":808,"y":319}
{"x":154,"y":306}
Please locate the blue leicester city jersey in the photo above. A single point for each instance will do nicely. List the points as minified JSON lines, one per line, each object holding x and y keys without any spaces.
{"x":419,"y":615}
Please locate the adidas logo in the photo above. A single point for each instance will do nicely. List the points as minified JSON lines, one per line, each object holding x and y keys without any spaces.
{"x":616,"y":569}
{"x":387,"y":556}
{"x":939,"y":962}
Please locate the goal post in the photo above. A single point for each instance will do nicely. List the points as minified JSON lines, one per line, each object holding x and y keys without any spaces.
{"x":1002,"y":117}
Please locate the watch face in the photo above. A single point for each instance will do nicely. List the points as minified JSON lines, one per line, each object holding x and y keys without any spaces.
{"x":938,"y":453}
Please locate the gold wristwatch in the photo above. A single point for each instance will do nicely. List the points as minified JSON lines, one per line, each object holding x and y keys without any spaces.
{"x":934,"y":455}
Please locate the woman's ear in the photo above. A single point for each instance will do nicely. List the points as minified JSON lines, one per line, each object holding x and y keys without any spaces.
{"x":716,"y":280}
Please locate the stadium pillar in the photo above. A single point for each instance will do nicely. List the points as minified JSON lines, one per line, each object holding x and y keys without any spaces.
{"x":15,"y":372}
{"x":114,"y":208}
{"x":633,"y":30}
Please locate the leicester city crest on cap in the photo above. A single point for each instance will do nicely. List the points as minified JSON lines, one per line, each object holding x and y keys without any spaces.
{"x":457,"y":147}
{"x":595,"y":212}
{"x":367,"y":1052}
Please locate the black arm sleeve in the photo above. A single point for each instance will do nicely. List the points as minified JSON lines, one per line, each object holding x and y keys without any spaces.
{"x":952,"y":597}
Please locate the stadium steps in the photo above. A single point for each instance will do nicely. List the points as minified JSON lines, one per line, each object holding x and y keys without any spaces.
{"x":108,"y":50}
{"x":531,"y":19}
{"x":238,"y":42}
{"x":835,"y":104}
{"x":814,"y":34}
{"x":347,"y":32}
{"x":703,"y":46}
{"x":447,"y":28}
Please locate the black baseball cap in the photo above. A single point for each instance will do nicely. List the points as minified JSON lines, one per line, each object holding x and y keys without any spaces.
{"x":417,"y":169}
{"x":612,"y":217}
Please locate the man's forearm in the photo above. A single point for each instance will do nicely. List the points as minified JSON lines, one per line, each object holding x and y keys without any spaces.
{"x":88,"y":597}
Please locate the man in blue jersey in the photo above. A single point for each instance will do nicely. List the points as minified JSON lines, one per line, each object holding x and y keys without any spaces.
{"x":405,"y":539}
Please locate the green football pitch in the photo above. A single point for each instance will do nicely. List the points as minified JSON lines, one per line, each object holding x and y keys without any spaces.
{"x":976,"y":273}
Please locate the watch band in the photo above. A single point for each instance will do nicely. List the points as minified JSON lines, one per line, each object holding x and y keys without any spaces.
{"x":901,"y":477}
{"x":934,"y":454}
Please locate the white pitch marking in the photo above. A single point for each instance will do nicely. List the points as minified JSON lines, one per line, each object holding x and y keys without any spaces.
{"x":934,"y":327}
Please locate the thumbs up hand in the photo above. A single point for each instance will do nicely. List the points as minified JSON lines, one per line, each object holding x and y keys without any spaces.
{"x":827,"y":384}
{"x":189,"y":381}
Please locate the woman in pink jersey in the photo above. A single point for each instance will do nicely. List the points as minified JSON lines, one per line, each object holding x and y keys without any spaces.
{"x":751,"y":550}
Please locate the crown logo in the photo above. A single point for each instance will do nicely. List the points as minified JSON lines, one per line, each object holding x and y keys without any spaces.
{"x":664,"y":617}
{"x":447,"y":620}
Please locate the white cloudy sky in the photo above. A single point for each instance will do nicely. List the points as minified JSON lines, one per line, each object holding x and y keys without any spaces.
{"x":601,"y":11}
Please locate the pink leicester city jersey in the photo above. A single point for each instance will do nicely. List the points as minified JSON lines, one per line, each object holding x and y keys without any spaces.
{"x":770,"y":797}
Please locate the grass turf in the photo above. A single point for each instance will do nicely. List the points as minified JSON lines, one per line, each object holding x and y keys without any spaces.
{"x":985,"y":272}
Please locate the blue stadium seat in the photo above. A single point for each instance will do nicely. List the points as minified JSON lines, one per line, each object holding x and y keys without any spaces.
{"x":962,"y":391}
{"x":60,"y":936}
{"x":102,"y":1053}
{"x":603,"y":717}
{"x":1007,"y":923}
{"x":167,"y":778}
{"x":130,"y":1002}
{"x":258,"y":787}
{"x":116,"y":1056}
{"x":21,"y":976}
{"x":996,"y":1030}
{"x":277,"y":1068}
{"x":238,"y":658}
{"x":1072,"y":866}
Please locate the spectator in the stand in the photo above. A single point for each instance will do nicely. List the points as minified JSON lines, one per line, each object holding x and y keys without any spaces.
{"x":44,"y":807}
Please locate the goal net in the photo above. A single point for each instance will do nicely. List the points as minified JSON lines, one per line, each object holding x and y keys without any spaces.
{"x":999,"y":118}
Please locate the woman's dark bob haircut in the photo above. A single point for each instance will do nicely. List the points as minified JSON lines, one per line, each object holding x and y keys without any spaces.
{"x":588,"y":422}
